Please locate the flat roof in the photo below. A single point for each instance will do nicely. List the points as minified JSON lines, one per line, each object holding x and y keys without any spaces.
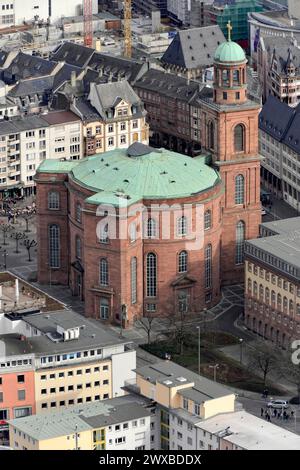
{"x":86,"y":417}
{"x":172,"y":375}
{"x":60,"y":117}
{"x":92,"y":334}
{"x":250,"y":432}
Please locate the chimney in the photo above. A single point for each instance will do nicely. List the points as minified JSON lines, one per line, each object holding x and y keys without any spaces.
{"x":73,"y":79}
{"x":17,"y":292}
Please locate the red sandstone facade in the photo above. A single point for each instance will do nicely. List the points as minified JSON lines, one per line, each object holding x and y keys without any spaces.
{"x":230,"y":134}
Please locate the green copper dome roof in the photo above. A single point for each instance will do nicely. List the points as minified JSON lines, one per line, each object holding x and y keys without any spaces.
{"x":230,"y":52}
{"x":125,"y":176}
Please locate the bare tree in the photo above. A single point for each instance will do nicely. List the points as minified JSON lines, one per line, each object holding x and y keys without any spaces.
{"x":264,"y":359}
{"x":177,"y":328}
{"x":27,"y":217}
{"x":145,"y":323}
{"x":5,"y":229}
{"x":18,"y":236}
{"x":29,"y":244}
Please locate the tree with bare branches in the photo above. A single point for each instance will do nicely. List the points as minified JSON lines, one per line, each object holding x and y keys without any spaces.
{"x":264,"y":359}
{"x":18,"y":236}
{"x":5,"y":229}
{"x":145,"y":323}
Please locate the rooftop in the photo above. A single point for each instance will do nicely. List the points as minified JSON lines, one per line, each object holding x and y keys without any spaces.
{"x":86,"y":417}
{"x":91,"y":334}
{"x":194,"y":47}
{"x":249,"y":432}
{"x":60,"y":117}
{"x":122,"y":174}
{"x":230,"y":52}
{"x":172,"y":375}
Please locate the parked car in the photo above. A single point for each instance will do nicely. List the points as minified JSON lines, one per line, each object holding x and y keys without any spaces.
{"x":279,"y":404}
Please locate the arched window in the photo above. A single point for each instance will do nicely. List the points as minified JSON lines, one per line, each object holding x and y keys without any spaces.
{"x":239,"y":138}
{"x":181,"y":226}
{"x":236,"y":77}
{"x":182,"y":262}
{"x":207,"y":220}
{"x":78,"y":212}
{"x":273,"y":298}
{"x":53,"y":200}
{"x":225,"y":77}
{"x":285,"y":304}
{"x":78,"y":247}
{"x":267,"y":295}
{"x":104,"y":238}
{"x":279,"y":302}
{"x":240,"y":239}
{"x":151,"y":275}
{"x":104,"y":309}
{"x":208,"y":266}
{"x":133,"y":269}
{"x":103,"y":274}
{"x":151,"y":228}
{"x":249,"y":286}
{"x":211,"y":135}
{"x":291,"y":307}
{"x":261,"y":292}
{"x":239,"y":189}
{"x":255,"y":289}
{"x":54,"y":246}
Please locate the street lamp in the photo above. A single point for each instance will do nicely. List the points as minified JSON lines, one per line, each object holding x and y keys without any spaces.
{"x":199,"y":357}
{"x":4,"y":252}
{"x":215,"y":367}
{"x":123,"y":317}
{"x":241,"y":350}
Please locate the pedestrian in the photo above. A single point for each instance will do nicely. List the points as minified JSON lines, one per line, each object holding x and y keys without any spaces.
{"x":279,"y":415}
{"x":266,"y":393}
{"x":287,"y":416}
{"x":292,"y":413}
{"x":275,"y":412}
{"x":268,"y":417}
{"x":261,"y":412}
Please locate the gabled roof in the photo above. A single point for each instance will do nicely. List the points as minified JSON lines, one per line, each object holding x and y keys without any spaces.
{"x":118,"y":67}
{"x":275,"y":117}
{"x":73,"y":54}
{"x":194,"y":48}
{"x":32,"y":86}
{"x":104,"y":96}
{"x":28,"y":66}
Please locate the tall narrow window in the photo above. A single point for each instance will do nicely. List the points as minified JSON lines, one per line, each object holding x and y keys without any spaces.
{"x":211,"y":135}
{"x":104,"y":234}
{"x":182,"y":226}
{"x":54,"y":246}
{"x":207,"y":220}
{"x":53,"y":200}
{"x":103,"y":272}
{"x":239,"y":189}
{"x":104,"y":309}
{"x":239,"y":138}
{"x":78,"y":212}
{"x":132,"y":231}
{"x":208,"y":264}
{"x":151,"y":275}
{"x":240,"y":239}
{"x":133,"y":269}
{"x":78,"y":247}
{"x":151,"y":228}
{"x":182,"y":262}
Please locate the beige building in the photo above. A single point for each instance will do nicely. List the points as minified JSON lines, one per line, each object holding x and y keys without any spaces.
{"x":272,"y":282}
{"x":124,"y":423}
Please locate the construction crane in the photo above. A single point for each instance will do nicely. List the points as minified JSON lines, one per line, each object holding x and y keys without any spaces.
{"x":127,"y":29}
{"x":88,"y":22}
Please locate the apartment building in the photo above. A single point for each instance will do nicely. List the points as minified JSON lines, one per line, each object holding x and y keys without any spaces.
{"x":113,"y":117}
{"x":272,"y":282}
{"x":123,"y":423}
{"x":56,"y":359}
{"x":25,"y":143}
{"x":279,"y":145}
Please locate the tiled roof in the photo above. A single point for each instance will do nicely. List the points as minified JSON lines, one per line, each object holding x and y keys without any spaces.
{"x":194,"y":48}
{"x":73,"y":54}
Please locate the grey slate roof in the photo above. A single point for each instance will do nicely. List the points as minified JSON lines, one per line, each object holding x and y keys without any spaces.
{"x":27,"y":66}
{"x":85,"y":416}
{"x":202,"y":390}
{"x":19,"y":125}
{"x":86,"y":110}
{"x":3,"y":57}
{"x":73,"y":54}
{"x":32,"y":86}
{"x":281,"y":122}
{"x":105,"y":96}
{"x":118,"y":67}
{"x":194,"y":48}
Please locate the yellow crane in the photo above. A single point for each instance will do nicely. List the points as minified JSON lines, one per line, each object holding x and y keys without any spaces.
{"x":127,"y":29}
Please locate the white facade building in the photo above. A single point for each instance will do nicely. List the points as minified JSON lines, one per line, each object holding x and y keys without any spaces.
{"x":16,"y":12}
